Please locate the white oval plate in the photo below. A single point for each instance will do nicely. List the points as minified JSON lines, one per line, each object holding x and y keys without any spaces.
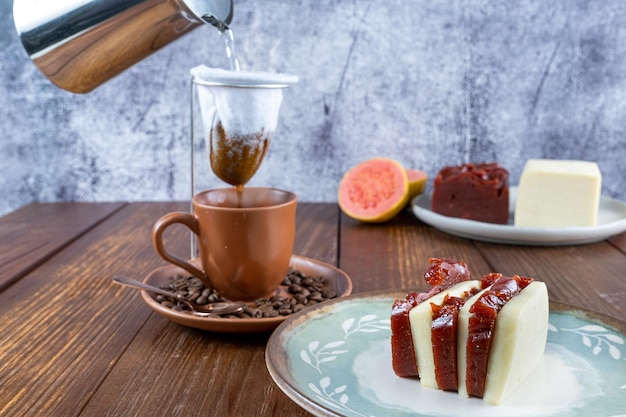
{"x":335,"y":360}
{"x":611,"y":222}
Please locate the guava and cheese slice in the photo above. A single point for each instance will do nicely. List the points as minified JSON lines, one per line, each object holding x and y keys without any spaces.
{"x":518,"y":342}
{"x":558,"y":193}
{"x":421,"y":320}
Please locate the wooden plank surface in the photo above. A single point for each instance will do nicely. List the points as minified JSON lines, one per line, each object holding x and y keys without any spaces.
{"x":66,"y":324}
{"x":220,"y":373}
{"x":619,"y":242}
{"x":585,"y":276}
{"x":92,"y":348}
{"x":394,"y":255}
{"x":317,"y":235}
{"x":36,"y":232}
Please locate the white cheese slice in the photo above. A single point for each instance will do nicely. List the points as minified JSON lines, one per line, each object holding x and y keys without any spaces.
{"x":519,"y":341}
{"x":421,"y":318}
{"x":517,"y":346}
{"x":558,"y":193}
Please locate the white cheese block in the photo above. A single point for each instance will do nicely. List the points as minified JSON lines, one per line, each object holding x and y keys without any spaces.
{"x":421,"y":318}
{"x":518,"y":342}
{"x":558,"y":193}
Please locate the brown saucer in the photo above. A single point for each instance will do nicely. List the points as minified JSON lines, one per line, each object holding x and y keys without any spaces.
{"x":334,"y":278}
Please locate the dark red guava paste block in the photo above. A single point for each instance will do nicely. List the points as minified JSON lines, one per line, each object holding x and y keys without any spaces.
{"x":473,"y":191}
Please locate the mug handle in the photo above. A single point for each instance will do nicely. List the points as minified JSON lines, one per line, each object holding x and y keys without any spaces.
{"x":159,"y":227}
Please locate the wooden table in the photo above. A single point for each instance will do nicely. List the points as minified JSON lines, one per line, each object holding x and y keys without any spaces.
{"x":75,"y":344}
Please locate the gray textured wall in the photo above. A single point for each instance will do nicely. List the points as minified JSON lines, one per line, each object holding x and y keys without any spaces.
{"x":425,"y":82}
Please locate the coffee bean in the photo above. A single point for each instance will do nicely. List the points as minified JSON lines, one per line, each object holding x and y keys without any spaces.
{"x":266,"y":308}
{"x":329,"y":293}
{"x":295,"y":279}
{"x":303,"y":291}
{"x":284,"y":311}
{"x":316,"y":296}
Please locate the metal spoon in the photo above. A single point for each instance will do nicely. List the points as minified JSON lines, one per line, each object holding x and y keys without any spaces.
{"x":202,"y":310}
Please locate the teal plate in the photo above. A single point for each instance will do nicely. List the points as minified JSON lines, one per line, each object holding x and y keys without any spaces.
{"x":334,"y":359}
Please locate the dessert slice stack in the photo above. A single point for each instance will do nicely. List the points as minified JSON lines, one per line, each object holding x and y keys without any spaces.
{"x":480,"y":338}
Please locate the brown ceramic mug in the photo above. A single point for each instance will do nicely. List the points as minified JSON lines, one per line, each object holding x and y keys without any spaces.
{"x":245,"y":240}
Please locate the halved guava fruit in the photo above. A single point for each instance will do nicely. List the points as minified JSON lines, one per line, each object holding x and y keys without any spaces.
{"x":417,"y":182}
{"x":374,"y":191}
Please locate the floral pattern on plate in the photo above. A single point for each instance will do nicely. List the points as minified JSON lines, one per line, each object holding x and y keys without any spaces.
{"x":335,"y":360}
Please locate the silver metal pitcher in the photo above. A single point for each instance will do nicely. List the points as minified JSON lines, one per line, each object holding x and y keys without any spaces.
{"x":80,"y":44}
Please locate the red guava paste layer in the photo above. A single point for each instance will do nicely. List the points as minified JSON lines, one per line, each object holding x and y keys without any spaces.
{"x":481,"y":325}
{"x":402,"y":351}
{"x":442,"y":274}
{"x":473,"y":191}
{"x":443,"y":338}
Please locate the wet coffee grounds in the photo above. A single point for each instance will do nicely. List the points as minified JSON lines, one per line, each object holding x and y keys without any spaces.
{"x":304,"y":290}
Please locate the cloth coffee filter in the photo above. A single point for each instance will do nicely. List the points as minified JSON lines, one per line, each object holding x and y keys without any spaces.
{"x":245,"y":102}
